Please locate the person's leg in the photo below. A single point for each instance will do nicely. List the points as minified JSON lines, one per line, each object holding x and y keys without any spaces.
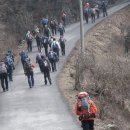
{"x":91,"y":124}
{"x":2,"y":82}
{"x":32,"y":78}
{"x":64,"y":50}
{"x":48,"y":76}
{"x":85,"y":125}
{"x":29,"y":80}
{"x":45,"y":76}
{"x":6,"y":80}
{"x":54,"y":63}
{"x":11,"y":73}
{"x":28,"y":45}
{"x":31,"y":46}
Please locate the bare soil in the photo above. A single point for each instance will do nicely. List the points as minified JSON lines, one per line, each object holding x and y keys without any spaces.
{"x":105,"y":41}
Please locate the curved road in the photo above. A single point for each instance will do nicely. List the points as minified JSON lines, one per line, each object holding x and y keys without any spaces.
{"x":42,"y":107}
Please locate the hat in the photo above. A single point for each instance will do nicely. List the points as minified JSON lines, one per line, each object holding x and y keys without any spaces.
{"x":83,"y":94}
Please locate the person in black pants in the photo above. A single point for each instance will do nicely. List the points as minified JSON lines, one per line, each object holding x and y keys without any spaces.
{"x":104,"y":9}
{"x":52,"y":56}
{"x":3,"y":76}
{"x":46,"y":70}
{"x":28,"y":70}
{"x":62,"y":45}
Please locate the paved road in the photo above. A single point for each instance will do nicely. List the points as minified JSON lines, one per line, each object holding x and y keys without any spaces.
{"x":40,"y":108}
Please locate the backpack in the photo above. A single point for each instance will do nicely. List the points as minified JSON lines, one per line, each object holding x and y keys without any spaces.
{"x":23,"y":56}
{"x":45,"y":63}
{"x":9,"y":61}
{"x":3,"y":68}
{"x":28,"y":66}
{"x":84,"y":105}
{"x":51,"y":55}
{"x":55,"y":46}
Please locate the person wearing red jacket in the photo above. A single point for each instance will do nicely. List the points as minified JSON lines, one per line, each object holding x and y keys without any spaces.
{"x":86,"y":116}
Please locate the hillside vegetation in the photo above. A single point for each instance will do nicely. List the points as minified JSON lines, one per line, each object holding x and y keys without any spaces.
{"x":104,"y":72}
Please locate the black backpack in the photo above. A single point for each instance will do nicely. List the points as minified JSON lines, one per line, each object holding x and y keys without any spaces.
{"x":28,"y":66}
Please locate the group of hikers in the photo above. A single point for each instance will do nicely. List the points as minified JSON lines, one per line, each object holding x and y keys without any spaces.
{"x":94,"y":11}
{"x":47,"y":61}
{"x":52,"y":47}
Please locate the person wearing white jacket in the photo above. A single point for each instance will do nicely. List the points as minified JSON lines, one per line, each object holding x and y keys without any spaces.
{"x":56,"y":47}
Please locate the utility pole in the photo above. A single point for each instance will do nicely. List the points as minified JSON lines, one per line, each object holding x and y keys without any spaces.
{"x":81,"y":27}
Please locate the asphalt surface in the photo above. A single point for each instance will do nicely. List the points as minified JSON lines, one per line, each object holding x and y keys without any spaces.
{"x":42,"y":107}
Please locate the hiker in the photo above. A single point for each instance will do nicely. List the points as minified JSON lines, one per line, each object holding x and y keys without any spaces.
{"x":63,"y":17}
{"x":10,"y":66}
{"x":45,"y":67}
{"x":97,"y":11}
{"x":11,"y":55}
{"x":28,"y":71}
{"x":62,"y":45}
{"x":53,"y":26}
{"x":38,"y":41}
{"x":39,"y":59}
{"x":3,"y":76}
{"x":35,"y":31}
{"x":29,"y":38}
{"x":47,"y":32}
{"x":61,"y":29}
{"x":86,"y":110}
{"x":86,"y":12}
{"x":52,"y":56}
{"x":23,"y":56}
{"x":45,"y":44}
{"x":104,"y":9}
{"x":93,"y":12}
{"x":44,"y":22}
{"x":55,"y":47}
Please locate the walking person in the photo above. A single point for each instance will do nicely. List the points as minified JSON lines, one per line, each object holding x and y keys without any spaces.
{"x":28,"y":71}
{"x":23,"y":56}
{"x":45,"y":43}
{"x":10,"y":66}
{"x":38,"y":41}
{"x":86,"y":110}
{"x":97,"y":11}
{"x":61,"y":29}
{"x":45,"y":67}
{"x":29,"y":38}
{"x":104,"y":9}
{"x":93,"y":13}
{"x":53,"y":26}
{"x":86,"y":12}
{"x":63,"y":17}
{"x":47,"y":32}
{"x":62,"y":45}
{"x":39,"y":59}
{"x":55,"y":47}
{"x":3,"y":76}
{"x":52,"y":56}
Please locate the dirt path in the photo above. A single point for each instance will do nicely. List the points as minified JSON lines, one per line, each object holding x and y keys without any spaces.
{"x":42,"y":107}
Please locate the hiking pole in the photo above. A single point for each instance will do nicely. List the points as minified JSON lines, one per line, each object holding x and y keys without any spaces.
{"x":81,"y":27}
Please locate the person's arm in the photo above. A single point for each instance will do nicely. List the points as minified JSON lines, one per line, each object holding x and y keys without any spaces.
{"x":76,"y":109}
{"x":93,"y":108}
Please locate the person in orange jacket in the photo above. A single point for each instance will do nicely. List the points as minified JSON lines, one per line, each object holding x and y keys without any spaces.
{"x":86,"y":110}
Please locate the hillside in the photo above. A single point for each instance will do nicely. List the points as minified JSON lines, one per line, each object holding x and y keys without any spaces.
{"x":104,"y":72}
